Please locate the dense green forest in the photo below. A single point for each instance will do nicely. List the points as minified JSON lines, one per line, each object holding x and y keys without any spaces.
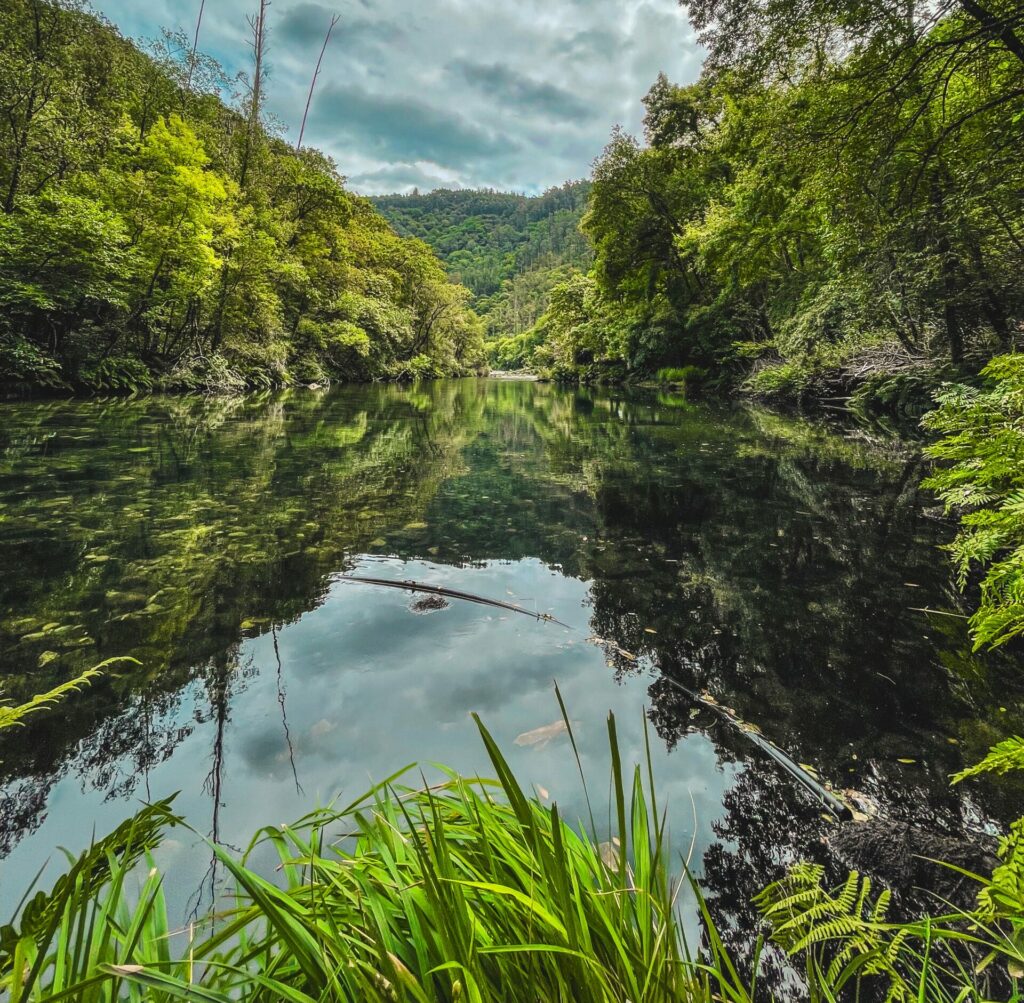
{"x":832,"y":214}
{"x":152,"y":234}
{"x":834,"y":208}
{"x":509,"y":250}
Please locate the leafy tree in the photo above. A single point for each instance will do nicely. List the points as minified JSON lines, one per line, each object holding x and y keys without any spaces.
{"x":150,"y":233}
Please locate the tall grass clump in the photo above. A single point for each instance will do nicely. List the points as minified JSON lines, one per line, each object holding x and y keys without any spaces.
{"x":473,"y":890}
{"x":469,"y":889}
{"x":679,"y":375}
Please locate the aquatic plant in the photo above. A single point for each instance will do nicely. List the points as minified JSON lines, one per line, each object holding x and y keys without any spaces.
{"x":469,"y":889}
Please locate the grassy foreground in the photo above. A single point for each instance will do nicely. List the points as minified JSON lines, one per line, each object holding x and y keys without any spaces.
{"x":472,"y":890}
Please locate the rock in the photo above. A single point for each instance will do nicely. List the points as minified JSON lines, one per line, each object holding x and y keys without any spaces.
{"x":429,"y":604}
{"x":894,"y":853}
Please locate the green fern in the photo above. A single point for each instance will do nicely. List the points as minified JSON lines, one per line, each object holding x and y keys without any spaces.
{"x":846,"y":938}
{"x":13,"y":716}
{"x":982,"y":479}
{"x":1003,"y":758}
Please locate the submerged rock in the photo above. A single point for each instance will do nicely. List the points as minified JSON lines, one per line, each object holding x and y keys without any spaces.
{"x":903,"y":857}
{"x":429,"y":604}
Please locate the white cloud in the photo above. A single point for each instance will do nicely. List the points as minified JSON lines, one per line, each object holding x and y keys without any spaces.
{"x":462,"y":93}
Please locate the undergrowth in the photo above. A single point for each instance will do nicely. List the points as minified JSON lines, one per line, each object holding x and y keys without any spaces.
{"x":473,"y":890}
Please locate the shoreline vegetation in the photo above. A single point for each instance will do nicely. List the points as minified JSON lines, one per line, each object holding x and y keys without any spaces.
{"x":474,"y":889}
{"x":832,"y":215}
{"x":154,"y":234}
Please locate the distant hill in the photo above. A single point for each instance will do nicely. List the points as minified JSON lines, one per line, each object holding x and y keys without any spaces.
{"x":509,"y":250}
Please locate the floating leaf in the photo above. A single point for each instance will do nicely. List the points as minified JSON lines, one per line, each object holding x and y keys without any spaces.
{"x":540,"y":737}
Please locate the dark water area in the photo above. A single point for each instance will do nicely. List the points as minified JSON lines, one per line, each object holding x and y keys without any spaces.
{"x":780,"y":565}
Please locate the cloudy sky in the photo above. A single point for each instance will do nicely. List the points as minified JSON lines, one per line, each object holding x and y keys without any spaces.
{"x":455,"y":93}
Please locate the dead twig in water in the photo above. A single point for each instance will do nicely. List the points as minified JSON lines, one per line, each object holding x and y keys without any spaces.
{"x":440,"y":590}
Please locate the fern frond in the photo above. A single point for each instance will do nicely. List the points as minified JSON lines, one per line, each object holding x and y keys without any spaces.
{"x":1006,"y":756}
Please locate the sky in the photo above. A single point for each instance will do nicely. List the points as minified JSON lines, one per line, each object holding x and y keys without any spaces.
{"x":448,"y":93}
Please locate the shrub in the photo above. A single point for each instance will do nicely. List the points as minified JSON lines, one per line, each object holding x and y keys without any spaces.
{"x":781,"y":379}
{"x":118,"y":374}
{"x":23,"y":363}
{"x":982,"y":478}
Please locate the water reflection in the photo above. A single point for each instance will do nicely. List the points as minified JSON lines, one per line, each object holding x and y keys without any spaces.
{"x":778,"y":564}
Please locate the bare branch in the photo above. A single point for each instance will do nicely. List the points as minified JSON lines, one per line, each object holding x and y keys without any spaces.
{"x":316,"y":73}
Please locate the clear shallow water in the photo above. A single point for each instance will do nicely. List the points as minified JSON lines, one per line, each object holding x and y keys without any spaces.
{"x":774,"y":562}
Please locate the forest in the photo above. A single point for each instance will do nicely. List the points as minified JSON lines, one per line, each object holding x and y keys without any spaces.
{"x":510,"y":251}
{"x":155,"y":235}
{"x":832,"y":211}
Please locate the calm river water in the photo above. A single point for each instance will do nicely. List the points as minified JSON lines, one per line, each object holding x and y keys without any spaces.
{"x":776,"y":563}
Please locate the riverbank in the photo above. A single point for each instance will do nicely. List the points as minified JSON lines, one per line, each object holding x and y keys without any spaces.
{"x":475,"y":889}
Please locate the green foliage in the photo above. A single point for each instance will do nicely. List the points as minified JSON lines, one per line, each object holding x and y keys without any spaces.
{"x":98,"y":873}
{"x":467,"y":890}
{"x":846,"y":936}
{"x":13,"y":716}
{"x":149,"y":237}
{"x":1003,"y":758}
{"x":23,"y":363}
{"x":679,"y":374}
{"x":803,"y":915}
{"x":789,"y":380}
{"x":1003,"y":897}
{"x":982,"y":477}
{"x":830,"y":187}
{"x":488,"y":237}
{"x":509,"y":250}
{"x":849,"y":945}
{"x":116,"y":374}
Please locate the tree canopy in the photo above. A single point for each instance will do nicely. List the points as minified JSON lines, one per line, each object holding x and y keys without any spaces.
{"x":151,"y":233}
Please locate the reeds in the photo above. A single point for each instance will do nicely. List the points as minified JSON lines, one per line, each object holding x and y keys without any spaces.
{"x":468,"y":890}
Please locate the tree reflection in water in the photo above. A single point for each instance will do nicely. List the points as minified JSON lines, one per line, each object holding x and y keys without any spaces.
{"x":774,"y":562}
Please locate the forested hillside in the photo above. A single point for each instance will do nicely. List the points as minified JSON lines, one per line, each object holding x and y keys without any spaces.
{"x":835,"y":208}
{"x":509,"y":250}
{"x":151,"y":234}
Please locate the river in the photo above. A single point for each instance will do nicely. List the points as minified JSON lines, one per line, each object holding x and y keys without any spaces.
{"x":779,"y":564}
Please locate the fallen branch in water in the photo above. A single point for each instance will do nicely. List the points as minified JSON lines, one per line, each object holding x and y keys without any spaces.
{"x":440,"y":590}
{"x":835,"y":804}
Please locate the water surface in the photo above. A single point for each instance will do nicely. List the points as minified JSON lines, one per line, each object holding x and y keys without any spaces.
{"x":776,"y":563}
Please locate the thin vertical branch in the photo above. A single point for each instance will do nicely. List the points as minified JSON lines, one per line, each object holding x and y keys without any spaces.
{"x":258,"y":25}
{"x":316,"y":73}
{"x":195,"y":46}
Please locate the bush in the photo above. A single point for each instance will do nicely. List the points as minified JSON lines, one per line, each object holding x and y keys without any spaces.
{"x":117,"y":374}
{"x":25,"y":364}
{"x":780,"y":380}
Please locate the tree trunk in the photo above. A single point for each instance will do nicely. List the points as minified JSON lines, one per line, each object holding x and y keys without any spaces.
{"x":997,"y":27}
